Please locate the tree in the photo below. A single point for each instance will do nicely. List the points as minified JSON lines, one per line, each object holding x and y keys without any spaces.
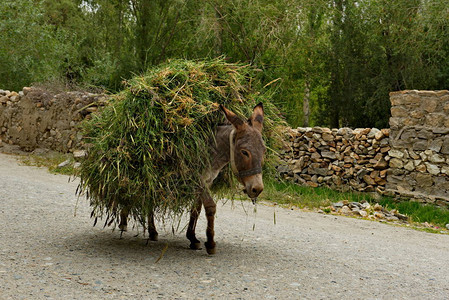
{"x":30,"y":51}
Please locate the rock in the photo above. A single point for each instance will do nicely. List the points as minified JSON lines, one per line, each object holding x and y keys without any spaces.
{"x":312,"y":184}
{"x":363,"y":213}
{"x":381,"y":164}
{"x":436,"y":158}
{"x":354,"y":204}
{"x":445,"y":169}
{"x":345,"y":131}
{"x":315,"y":156}
{"x":396,"y":153}
{"x":420,"y":145}
{"x":328,"y":154}
{"x":379,"y":135}
{"x":377,"y":207}
{"x":379,"y":215}
{"x":4,"y":99}
{"x":345,"y":210}
{"x":391,"y":218}
{"x":432,"y":169}
{"x":369,"y":180}
{"x":372,"y":133}
{"x":76,"y":165}
{"x":396,"y":163}
{"x":384,"y":148}
{"x":327,"y":137}
{"x":282,"y":169}
{"x":401,"y":216}
{"x":421,"y":168}
{"x":409,"y":166}
{"x":64,"y":163}
{"x":436,"y":145}
{"x":424,"y":180}
{"x":447,"y":226}
{"x":337,"y":205}
{"x":365,"y":205}
{"x":319,"y":171}
{"x":398,"y":112}
{"x":26,"y":90}
{"x":79,"y":153}
{"x":12,"y":94}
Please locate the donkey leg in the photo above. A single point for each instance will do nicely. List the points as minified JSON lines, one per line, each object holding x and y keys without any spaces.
{"x":210,"y":208}
{"x":123,"y":226}
{"x":152,"y":232}
{"x":195,"y":244}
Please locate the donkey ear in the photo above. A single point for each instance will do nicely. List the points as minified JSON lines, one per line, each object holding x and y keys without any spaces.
{"x":256,"y":119}
{"x":232,"y":117}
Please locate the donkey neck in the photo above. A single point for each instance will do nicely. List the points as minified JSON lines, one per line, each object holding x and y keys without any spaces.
{"x":222,"y":153}
{"x":231,"y":151}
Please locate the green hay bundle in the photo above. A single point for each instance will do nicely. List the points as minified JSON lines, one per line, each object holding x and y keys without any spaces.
{"x":148,"y":148}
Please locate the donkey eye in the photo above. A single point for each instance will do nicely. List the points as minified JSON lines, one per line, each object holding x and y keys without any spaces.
{"x":244,"y":152}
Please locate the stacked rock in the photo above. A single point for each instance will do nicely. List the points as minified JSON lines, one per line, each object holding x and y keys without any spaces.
{"x":365,"y":210}
{"x":342,"y":158}
{"x":420,"y":145}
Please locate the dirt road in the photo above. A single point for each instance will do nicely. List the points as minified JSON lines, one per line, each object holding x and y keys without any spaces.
{"x":48,"y":253}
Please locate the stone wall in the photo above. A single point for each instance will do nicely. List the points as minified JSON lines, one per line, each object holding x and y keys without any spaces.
{"x":338,"y":158}
{"x":36,"y":118}
{"x":419,"y":138}
{"x":409,"y":159}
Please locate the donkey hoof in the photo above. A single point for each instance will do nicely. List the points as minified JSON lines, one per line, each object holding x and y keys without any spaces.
{"x":154,"y":237}
{"x":123,"y":227}
{"x":210,"y":248}
{"x":195,"y":246}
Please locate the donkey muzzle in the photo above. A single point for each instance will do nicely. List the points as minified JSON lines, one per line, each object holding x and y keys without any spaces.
{"x":253,"y":186}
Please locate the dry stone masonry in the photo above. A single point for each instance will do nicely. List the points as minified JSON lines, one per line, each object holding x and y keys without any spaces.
{"x":419,"y":165}
{"x":338,"y":158}
{"x":410,"y":159}
{"x":35,"y":118}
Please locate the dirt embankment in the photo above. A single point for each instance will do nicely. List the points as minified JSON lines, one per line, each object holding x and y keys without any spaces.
{"x":37,"y":118}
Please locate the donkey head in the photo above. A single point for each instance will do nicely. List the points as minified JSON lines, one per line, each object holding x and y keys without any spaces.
{"x":247,"y":150}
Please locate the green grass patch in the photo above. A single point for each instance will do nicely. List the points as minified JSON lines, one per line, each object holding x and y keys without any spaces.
{"x":287,"y":193}
{"x":419,"y":212}
{"x":50,"y":160}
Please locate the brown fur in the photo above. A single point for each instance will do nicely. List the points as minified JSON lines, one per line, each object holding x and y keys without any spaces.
{"x":248,"y":152}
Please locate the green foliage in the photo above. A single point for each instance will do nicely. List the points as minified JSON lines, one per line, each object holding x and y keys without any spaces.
{"x":149,"y":148}
{"x":347,"y":54}
{"x":50,"y":160}
{"x":29,"y":49}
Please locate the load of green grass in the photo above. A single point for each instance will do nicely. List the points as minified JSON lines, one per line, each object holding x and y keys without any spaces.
{"x":148,"y":148}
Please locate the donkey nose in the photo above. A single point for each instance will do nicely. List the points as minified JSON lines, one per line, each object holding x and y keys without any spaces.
{"x":255,"y":190}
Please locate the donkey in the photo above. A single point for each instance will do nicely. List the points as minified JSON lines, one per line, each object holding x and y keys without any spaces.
{"x":239,"y":143}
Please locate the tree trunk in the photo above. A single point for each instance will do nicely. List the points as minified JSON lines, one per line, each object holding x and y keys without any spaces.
{"x":218,"y":30}
{"x":305,"y":106}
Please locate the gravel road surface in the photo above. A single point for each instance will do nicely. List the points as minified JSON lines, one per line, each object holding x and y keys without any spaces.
{"x":48,"y":253}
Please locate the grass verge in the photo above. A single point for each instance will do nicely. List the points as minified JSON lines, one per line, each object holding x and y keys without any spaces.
{"x":50,"y":160}
{"x":290,"y":194}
